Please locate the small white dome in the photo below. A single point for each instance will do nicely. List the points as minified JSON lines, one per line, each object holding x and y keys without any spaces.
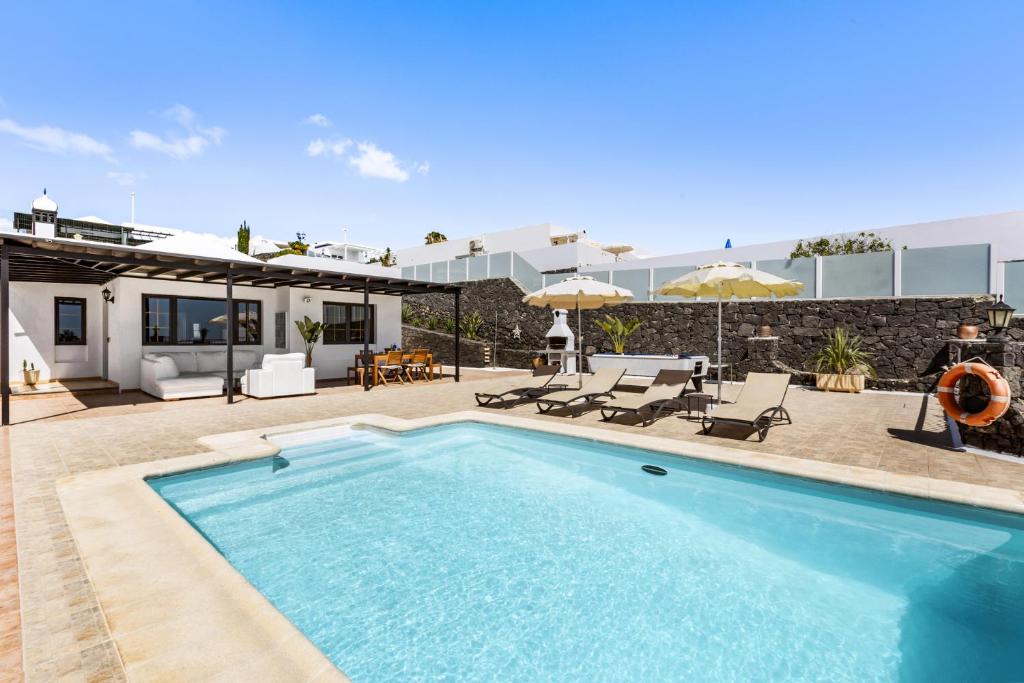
{"x":44,"y":203}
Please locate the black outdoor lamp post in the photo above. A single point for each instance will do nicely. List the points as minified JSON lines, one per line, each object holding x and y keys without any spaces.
{"x":999,"y":316}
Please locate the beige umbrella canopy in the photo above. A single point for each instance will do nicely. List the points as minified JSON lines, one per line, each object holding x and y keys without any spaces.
{"x":727,"y":280}
{"x":581,"y":292}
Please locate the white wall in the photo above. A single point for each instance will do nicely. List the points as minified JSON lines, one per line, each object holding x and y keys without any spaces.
{"x":332,"y":360}
{"x":32,"y":331}
{"x":1004,"y":231}
{"x":518,"y":239}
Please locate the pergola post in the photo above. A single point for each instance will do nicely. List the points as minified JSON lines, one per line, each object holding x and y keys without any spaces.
{"x":230,"y":317}
{"x":368,"y":364}
{"x":5,"y":331}
{"x":458,"y":332}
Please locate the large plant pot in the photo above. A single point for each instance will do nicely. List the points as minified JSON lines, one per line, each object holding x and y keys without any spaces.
{"x":853,"y":384}
{"x":31,"y":376}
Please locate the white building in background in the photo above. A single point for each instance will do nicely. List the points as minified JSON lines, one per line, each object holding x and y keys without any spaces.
{"x":546,"y":247}
{"x":344,"y":251}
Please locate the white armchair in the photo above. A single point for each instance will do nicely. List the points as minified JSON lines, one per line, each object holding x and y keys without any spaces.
{"x":281,"y":375}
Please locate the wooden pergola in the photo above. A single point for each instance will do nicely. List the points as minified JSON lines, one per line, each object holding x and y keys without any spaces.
{"x":27,"y":258}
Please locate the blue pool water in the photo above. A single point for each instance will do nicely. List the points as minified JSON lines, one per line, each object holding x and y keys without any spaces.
{"x":478,"y":553}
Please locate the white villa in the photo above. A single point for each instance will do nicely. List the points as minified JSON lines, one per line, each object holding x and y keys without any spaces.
{"x":81,"y":308}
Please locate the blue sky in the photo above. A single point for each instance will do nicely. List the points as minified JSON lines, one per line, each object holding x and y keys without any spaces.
{"x":670,"y":126}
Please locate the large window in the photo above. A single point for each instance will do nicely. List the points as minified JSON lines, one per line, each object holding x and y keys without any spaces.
{"x":187,"y":321}
{"x":69,"y":321}
{"x":345,"y":323}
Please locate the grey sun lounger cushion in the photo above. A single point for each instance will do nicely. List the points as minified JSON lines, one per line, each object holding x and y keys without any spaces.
{"x":540,"y":383}
{"x":759,"y":404}
{"x":661,"y":397}
{"x":597,"y":386}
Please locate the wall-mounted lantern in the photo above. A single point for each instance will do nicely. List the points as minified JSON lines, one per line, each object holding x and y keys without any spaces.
{"x":999,"y":316}
{"x":108,"y":296}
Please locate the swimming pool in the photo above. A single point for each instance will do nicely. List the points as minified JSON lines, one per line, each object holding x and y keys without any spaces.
{"x":476,"y":552}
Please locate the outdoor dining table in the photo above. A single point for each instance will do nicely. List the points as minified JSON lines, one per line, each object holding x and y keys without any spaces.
{"x":378,"y":359}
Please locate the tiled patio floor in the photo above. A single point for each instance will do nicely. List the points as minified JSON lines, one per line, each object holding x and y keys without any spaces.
{"x":63,"y":629}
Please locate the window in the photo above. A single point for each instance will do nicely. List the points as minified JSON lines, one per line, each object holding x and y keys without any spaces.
{"x":187,"y":321}
{"x":345,"y":324}
{"x":69,"y":321}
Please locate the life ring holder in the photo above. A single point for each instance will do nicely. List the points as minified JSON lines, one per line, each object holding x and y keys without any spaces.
{"x":998,"y":388}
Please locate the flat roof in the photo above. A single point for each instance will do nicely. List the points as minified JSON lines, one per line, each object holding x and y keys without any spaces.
{"x":53,"y":259}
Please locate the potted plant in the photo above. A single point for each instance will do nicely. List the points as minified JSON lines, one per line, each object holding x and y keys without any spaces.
{"x":843,"y":363}
{"x":618,"y":332}
{"x":31,"y":375}
{"x":310,"y":332}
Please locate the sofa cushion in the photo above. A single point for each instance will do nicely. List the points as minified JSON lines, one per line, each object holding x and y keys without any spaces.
{"x":185,"y":360}
{"x":271,"y":358}
{"x":244,"y":359}
{"x":176,"y":385}
{"x":165,"y":365}
{"x":211,"y":361}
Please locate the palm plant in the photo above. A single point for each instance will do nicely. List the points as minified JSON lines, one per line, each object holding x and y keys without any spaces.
{"x":843,"y":354}
{"x":618,"y":331}
{"x":471,"y":324}
{"x":310,"y":332}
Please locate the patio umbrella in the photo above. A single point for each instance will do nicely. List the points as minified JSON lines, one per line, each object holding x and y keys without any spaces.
{"x":724,"y":281}
{"x":581,"y":292}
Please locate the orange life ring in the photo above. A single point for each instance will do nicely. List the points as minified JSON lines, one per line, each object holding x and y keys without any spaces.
{"x":998,"y":387}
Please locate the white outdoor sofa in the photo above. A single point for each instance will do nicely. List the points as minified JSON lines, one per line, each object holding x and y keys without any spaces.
{"x":283,"y":374}
{"x":190,"y":374}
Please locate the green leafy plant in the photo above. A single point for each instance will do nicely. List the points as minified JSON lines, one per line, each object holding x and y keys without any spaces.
{"x":432,"y":322}
{"x":310,"y":332}
{"x":618,"y":331}
{"x":861,"y":243}
{"x":434,"y":237}
{"x":471,"y":324}
{"x":843,"y":354}
{"x":449,"y":325}
{"x":385,"y":259}
{"x":408,"y":313}
{"x":242,"y":244}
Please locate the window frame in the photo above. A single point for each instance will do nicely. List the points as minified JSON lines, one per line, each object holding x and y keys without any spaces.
{"x":173,"y":321}
{"x":371,"y":324}
{"x":76,"y":300}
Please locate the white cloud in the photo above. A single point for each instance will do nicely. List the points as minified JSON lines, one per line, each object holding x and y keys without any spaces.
{"x":374,"y":162}
{"x":53,"y":139}
{"x":195,"y":141}
{"x":318,"y":120}
{"x":124,"y":177}
{"x":423,"y":168}
{"x":326,"y":148}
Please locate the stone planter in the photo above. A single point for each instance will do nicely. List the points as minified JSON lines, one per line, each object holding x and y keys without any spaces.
{"x":853,"y":384}
{"x":31,"y":377}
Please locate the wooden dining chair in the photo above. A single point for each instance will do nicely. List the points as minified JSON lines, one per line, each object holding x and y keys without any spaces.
{"x":392,"y":368}
{"x":417,"y":365}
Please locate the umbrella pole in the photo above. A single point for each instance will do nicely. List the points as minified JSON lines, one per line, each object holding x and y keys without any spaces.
{"x":579,"y":348}
{"x":719,"y":347}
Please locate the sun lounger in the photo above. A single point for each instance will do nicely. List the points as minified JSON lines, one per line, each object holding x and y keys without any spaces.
{"x":542,"y":382}
{"x":661,"y":397}
{"x":759,"y":405}
{"x":597,"y":386}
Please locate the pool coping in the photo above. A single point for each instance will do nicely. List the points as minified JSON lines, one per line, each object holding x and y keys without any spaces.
{"x":167,"y":594}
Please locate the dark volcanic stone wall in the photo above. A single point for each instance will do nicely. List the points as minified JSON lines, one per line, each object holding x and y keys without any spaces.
{"x":909,"y":336}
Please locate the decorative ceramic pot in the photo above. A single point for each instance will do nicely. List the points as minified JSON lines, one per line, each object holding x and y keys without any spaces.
{"x":764,"y":330}
{"x":966,"y":331}
{"x":31,"y":377}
